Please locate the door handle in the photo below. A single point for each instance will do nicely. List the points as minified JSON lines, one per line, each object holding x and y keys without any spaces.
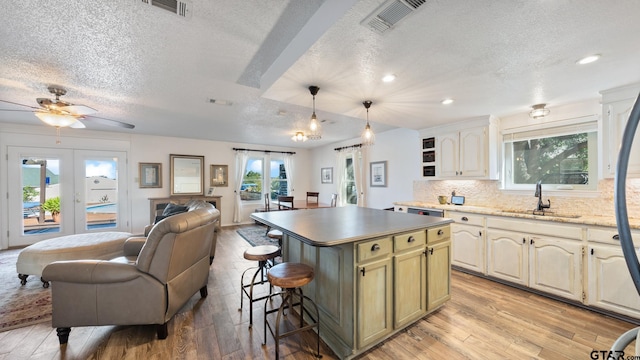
{"x":375,"y":247}
{"x":411,"y":239}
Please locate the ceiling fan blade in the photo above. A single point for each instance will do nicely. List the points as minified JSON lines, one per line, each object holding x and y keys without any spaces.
{"x":18,"y":104}
{"x":77,"y":125}
{"x":109,"y":122}
{"x":78,"y":109}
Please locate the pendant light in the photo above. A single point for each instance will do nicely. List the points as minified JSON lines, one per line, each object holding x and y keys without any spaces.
{"x":368,"y":137}
{"x":315,"y":132}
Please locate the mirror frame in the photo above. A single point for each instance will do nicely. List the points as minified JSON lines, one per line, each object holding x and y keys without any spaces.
{"x":187,"y":174}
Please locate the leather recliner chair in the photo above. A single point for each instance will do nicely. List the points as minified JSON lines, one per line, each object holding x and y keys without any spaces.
{"x":180,"y":208}
{"x":155,"y":278}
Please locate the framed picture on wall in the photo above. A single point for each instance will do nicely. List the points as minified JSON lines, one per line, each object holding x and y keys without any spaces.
{"x":378,"y":173}
{"x":326,"y":175}
{"x":150,"y":175}
{"x":219,"y":175}
{"x":187,"y":174}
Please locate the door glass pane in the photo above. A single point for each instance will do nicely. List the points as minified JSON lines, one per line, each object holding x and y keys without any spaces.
{"x":101,"y":193}
{"x":40,"y":195}
{"x":350,"y":183}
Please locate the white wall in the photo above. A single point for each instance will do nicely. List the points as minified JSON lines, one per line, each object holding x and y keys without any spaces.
{"x":145,"y":148}
{"x":399,"y":148}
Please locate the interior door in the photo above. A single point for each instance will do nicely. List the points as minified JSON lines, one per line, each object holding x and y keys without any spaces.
{"x":89,"y":185}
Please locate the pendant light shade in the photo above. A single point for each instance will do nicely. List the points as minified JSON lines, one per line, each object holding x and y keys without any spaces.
{"x":315,"y":132}
{"x":368,"y":137}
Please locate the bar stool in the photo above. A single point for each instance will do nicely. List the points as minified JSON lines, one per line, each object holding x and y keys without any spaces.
{"x":275,"y":234}
{"x":291,"y":277}
{"x":264,"y":255}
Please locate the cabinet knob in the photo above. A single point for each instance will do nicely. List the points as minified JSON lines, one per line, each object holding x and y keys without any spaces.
{"x":464,"y":218}
{"x":479,"y":233}
{"x":411,"y":239}
{"x":616,"y":237}
{"x":440,"y":232}
{"x":375,"y":247}
{"x":531,"y":241}
{"x":524,"y":241}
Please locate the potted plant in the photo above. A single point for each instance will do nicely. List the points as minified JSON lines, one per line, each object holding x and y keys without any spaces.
{"x":52,"y":205}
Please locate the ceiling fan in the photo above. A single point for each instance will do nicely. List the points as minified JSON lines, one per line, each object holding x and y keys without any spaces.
{"x":59,"y":113}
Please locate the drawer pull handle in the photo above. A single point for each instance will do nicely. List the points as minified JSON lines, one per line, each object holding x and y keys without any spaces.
{"x":440,"y":232}
{"x":431,"y":251}
{"x":464,"y":218}
{"x":616,"y":237}
{"x":375,"y":247}
{"x":411,"y":239}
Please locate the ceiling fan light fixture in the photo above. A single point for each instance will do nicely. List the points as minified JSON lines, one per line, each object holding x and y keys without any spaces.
{"x":539,"y":111}
{"x":55,"y":119}
{"x":315,"y":132}
{"x":368,"y":137}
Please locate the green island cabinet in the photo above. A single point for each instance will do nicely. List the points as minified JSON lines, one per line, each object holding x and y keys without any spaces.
{"x":376,"y":272}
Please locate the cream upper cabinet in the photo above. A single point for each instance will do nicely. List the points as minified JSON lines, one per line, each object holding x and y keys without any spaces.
{"x":467,"y":149}
{"x":462,"y":154}
{"x":616,"y":108}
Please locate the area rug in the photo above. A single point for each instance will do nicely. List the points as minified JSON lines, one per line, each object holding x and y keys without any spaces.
{"x":21,"y":305}
{"x":256,"y":235}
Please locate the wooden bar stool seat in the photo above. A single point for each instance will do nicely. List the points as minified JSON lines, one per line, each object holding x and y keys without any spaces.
{"x":275,"y":234}
{"x":291,"y":277}
{"x":264,"y":255}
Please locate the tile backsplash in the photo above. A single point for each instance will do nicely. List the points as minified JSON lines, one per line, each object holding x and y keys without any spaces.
{"x":487,"y":193}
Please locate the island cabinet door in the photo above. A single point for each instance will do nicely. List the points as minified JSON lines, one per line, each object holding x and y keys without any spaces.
{"x":438,"y":274}
{"x":374,"y":301}
{"x":410,"y":294}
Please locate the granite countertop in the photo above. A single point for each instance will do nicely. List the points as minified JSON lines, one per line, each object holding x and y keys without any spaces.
{"x":342,"y":225}
{"x":634,"y":223}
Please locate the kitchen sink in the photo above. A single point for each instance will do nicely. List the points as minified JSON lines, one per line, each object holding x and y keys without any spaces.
{"x":546,"y":213}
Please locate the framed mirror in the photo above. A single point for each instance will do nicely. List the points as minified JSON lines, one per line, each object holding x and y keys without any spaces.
{"x":187,"y":174}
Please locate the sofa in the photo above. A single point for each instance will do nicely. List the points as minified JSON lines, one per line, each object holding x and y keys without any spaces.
{"x":176,"y":208}
{"x":156,"y":276}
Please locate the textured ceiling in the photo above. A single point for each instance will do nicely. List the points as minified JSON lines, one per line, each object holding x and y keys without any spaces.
{"x":139,"y":64}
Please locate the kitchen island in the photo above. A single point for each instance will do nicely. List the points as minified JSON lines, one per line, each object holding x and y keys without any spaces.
{"x":376,"y":271}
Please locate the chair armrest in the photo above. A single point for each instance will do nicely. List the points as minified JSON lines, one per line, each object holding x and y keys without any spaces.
{"x":147,"y":229}
{"x":90,"y":272}
{"x":133,"y":245}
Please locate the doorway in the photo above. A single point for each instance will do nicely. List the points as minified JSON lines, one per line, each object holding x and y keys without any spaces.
{"x":56,"y":192}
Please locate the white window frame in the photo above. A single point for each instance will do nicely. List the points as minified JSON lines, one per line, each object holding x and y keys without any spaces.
{"x":568,"y":127}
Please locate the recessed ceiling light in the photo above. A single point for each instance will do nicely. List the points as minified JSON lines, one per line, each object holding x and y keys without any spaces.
{"x":388,"y":78}
{"x":589,"y":59}
{"x":447,"y":101}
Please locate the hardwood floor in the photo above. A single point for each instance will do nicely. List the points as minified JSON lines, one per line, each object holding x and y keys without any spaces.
{"x":483,"y":320}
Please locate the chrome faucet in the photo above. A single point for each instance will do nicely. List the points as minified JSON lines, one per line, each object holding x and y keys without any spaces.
{"x":538,"y":194}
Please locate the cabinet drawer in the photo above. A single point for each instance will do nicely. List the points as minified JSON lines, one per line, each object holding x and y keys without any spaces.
{"x":409,"y":240}
{"x":466,"y":218}
{"x":437,"y":234}
{"x":610,"y":236}
{"x":374,"y":249}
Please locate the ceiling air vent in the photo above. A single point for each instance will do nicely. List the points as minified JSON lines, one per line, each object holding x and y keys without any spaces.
{"x":389,"y":14}
{"x":181,"y":8}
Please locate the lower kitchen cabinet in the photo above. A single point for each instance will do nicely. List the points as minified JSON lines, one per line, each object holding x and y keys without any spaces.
{"x":374,"y":301}
{"x":468,"y":243}
{"x":508,"y":255}
{"x":610,"y":284}
{"x":438,"y":274}
{"x":410,"y":279}
{"x":541,"y":262}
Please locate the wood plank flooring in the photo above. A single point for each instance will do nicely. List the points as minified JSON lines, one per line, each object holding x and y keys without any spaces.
{"x":483,"y":320}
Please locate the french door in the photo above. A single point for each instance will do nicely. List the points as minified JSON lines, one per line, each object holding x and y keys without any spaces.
{"x":56,"y":192}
